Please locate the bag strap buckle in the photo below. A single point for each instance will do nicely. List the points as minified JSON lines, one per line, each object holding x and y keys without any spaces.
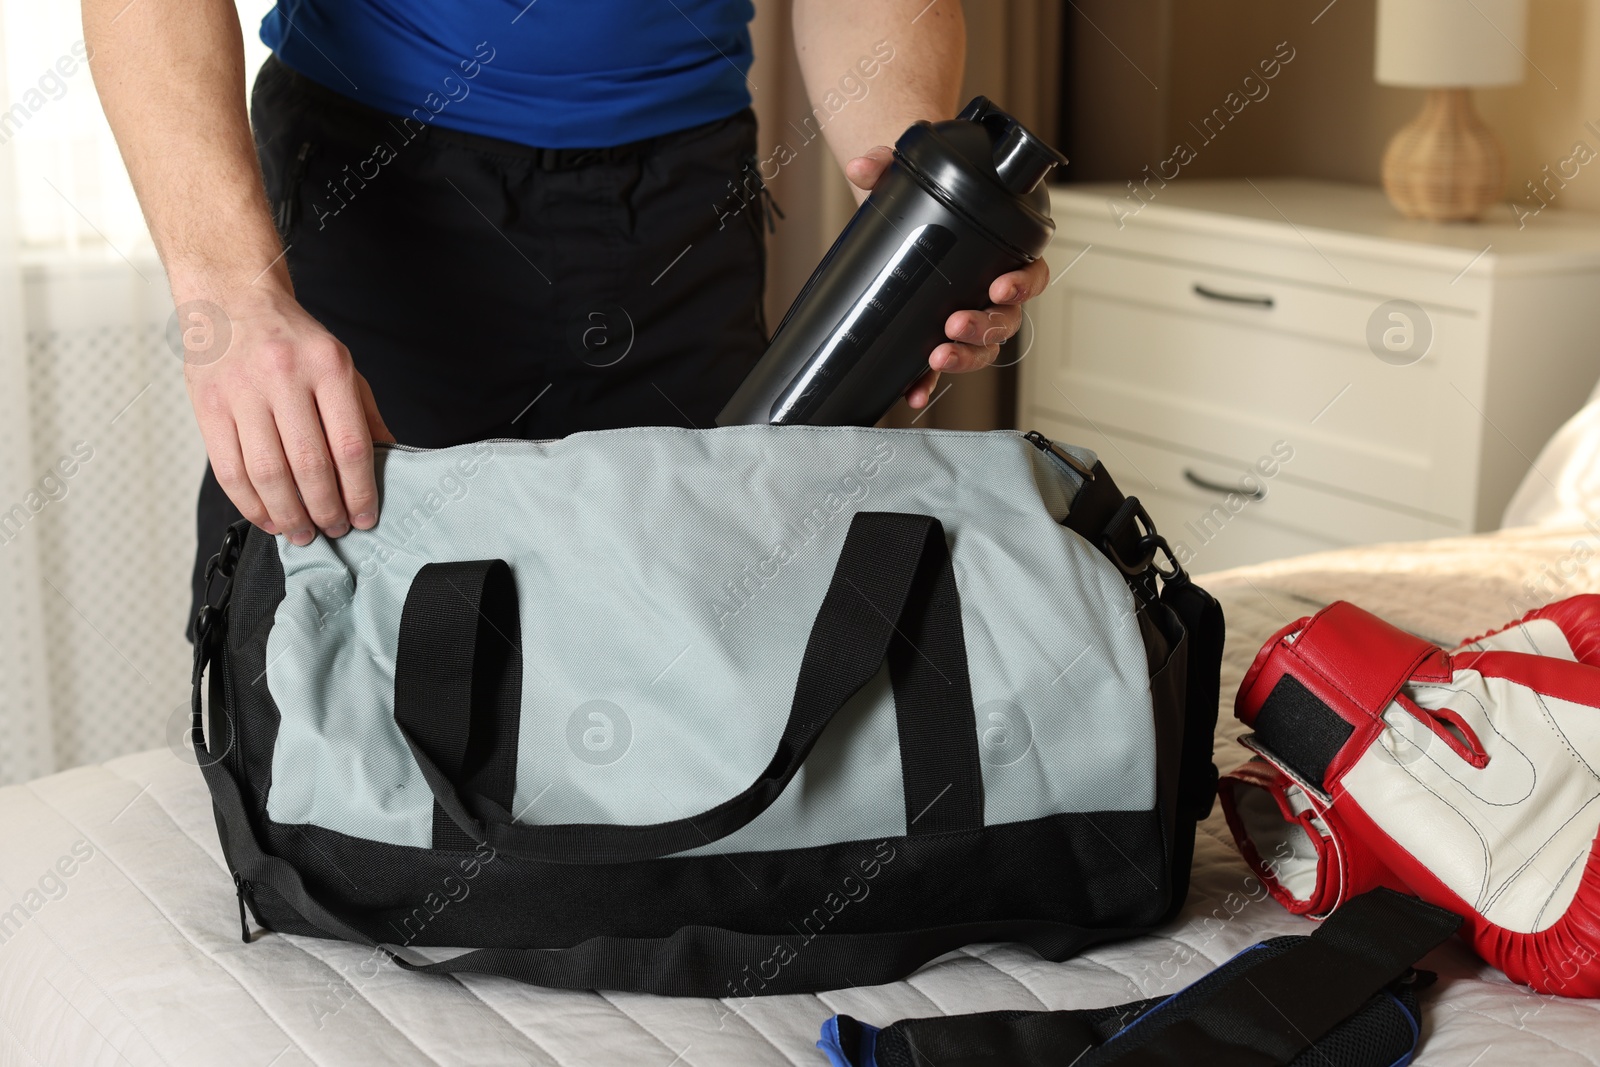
{"x":223,"y":562}
{"x":220,"y":564}
{"x":1149,"y":543}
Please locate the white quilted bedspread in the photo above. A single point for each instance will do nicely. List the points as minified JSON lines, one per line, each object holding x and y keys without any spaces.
{"x":126,"y":949}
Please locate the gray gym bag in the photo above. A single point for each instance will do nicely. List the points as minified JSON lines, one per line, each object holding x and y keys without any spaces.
{"x":713,"y":712}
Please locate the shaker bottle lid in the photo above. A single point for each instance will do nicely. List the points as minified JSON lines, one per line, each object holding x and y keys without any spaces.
{"x":1022,"y":160}
{"x":986,"y":165}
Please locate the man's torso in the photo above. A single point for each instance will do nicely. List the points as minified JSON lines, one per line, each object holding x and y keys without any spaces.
{"x":547,"y":73}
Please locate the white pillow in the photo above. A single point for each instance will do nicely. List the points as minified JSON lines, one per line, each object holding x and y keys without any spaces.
{"x":1563,"y":488}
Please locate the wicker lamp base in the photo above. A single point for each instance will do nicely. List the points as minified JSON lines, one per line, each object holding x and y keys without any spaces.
{"x":1446,"y":164}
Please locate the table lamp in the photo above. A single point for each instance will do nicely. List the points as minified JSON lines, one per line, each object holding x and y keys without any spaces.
{"x":1447,"y":164}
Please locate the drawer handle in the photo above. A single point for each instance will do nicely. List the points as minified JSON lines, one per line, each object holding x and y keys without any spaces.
{"x":1232,"y":298}
{"x":1194,"y":479}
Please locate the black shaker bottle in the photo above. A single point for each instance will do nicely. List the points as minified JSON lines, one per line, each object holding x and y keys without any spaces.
{"x":963,"y":202}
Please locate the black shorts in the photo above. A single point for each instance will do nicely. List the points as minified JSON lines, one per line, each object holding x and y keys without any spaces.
{"x":488,"y":289}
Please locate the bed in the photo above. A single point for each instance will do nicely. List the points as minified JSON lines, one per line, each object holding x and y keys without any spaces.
{"x":121,"y":943}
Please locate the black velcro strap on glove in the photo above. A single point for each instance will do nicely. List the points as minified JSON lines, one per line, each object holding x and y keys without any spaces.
{"x":1300,"y":731}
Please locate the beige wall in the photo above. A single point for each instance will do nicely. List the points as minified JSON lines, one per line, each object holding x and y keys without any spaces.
{"x":810,"y":189}
{"x":1540,"y":121}
{"x":1323,"y":116}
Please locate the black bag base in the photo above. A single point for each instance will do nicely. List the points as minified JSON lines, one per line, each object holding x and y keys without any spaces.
{"x":807,"y":920}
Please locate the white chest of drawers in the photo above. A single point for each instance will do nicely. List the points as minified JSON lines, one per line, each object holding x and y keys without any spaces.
{"x":1281,"y":366}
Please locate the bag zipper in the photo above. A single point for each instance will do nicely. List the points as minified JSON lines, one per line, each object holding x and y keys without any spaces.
{"x":395,"y":446}
{"x":1049,"y":447}
{"x":1033,"y":437}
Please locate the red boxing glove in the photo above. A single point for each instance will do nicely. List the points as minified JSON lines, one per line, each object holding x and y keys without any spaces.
{"x":1300,"y":850}
{"x":1474,"y":778}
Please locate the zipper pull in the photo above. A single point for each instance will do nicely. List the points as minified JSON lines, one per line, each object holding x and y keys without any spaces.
{"x":1044,"y":444}
{"x":244,"y":921}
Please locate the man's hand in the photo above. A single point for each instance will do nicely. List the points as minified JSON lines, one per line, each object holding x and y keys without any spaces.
{"x":287,"y":420}
{"x":975,"y":336}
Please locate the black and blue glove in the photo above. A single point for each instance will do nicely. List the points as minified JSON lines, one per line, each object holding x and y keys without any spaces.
{"x":1345,"y":996}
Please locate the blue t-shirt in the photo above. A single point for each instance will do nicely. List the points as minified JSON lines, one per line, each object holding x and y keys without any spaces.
{"x":550,"y":73}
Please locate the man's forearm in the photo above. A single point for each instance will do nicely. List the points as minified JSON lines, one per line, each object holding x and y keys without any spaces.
{"x":287,"y":419}
{"x":170,"y":74}
{"x":922,"y":81}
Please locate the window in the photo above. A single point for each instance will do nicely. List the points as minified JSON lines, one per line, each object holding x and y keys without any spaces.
{"x":72,"y":190}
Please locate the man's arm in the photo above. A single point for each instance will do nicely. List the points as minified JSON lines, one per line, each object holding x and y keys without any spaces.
{"x":287,"y":420}
{"x":921,"y":81}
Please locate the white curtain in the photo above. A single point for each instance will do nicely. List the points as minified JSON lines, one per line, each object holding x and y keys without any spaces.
{"x":99,"y":457}
{"x":25,"y":717}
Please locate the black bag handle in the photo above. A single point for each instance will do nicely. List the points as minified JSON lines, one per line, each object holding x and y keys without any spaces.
{"x":893,"y":595}
{"x":461,"y":647}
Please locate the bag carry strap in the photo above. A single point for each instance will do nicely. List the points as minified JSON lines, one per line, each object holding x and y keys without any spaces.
{"x":1262,"y":1009}
{"x":893,"y":595}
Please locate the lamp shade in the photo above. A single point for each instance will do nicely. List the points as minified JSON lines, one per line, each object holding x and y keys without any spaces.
{"x":1427,"y":44}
